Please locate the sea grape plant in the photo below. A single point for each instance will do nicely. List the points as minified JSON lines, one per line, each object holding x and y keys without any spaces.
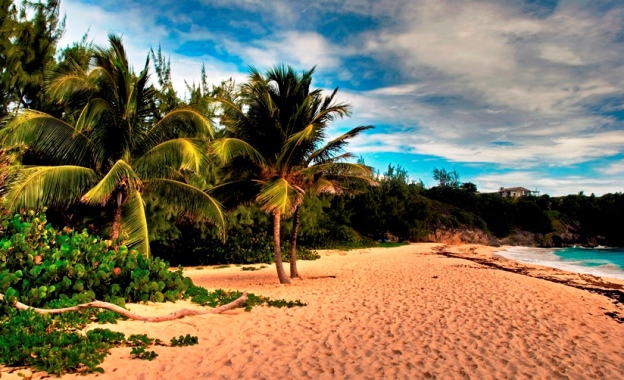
{"x":39,"y":264}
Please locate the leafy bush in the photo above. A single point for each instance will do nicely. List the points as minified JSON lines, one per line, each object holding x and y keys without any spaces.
{"x":39,"y":264}
{"x":51,"y":343}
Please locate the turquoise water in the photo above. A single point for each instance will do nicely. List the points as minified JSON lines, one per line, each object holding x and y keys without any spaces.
{"x":592,"y":257}
{"x":601,"y":261}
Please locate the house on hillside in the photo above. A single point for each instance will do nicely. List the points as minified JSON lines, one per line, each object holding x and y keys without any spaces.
{"x":515,"y":192}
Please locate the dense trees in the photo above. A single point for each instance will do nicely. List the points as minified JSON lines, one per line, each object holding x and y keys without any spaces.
{"x":114,"y":152}
{"x":28,"y":38}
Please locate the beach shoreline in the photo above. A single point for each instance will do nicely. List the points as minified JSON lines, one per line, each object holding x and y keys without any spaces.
{"x":416,"y":311}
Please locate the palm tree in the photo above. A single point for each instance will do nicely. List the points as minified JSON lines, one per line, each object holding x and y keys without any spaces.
{"x":280,"y":125}
{"x":324,"y":172}
{"x":113,"y":151}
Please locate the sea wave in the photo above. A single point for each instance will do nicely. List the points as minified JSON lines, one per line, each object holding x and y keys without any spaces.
{"x":548,"y":257}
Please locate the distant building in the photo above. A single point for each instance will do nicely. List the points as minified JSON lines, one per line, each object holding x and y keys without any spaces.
{"x":515,"y":192}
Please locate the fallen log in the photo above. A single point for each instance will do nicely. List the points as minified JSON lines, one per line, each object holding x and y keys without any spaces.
{"x":239,"y":302}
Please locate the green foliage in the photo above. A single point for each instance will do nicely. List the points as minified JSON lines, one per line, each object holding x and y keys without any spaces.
{"x":28,"y":38}
{"x":446,"y":178}
{"x":111,"y":147}
{"x":248,"y":241}
{"x":51,"y":343}
{"x":391,"y":244}
{"x":139,"y":344}
{"x":137,"y":340}
{"x":39,"y":264}
{"x":203,"y":297}
{"x":187,"y":340}
{"x":140,"y":352}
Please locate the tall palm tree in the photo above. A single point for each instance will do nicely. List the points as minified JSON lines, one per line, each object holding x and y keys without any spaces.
{"x":280,"y":125}
{"x":113,"y":151}
{"x":324,"y":171}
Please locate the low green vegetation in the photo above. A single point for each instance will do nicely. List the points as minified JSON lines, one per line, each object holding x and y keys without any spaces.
{"x":251,"y":269}
{"x":219,"y":297}
{"x":392,"y":244}
{"x":184,"y":340}
{"x":40,"y":264}
{"x":139,"y":344}
{"x":49,"y":268}
{"x":53,"y":343}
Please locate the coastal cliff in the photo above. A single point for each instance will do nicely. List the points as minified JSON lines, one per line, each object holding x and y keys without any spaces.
{"x":462,"y":235}
{"x":568,"y":236}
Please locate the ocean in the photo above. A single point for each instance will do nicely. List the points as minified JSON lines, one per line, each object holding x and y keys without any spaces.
{"x":600,"y":261}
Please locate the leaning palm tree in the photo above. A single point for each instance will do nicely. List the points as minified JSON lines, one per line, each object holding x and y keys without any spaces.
{"x":280,"y":125}
{"x":112,"y":151}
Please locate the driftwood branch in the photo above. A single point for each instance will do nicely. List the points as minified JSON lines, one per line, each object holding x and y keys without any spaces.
{"x":239,"y":302}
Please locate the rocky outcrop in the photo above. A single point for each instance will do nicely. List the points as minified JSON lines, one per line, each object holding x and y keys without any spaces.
{"x":462,"y":235}
{"x":567,"y":237}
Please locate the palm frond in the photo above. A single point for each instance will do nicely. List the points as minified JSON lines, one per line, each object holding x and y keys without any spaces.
{"x":175,"y":155}
{"x":136,"y":103}
{"x":186,"y":199}
{"x":338,"y":171}
{"x":134,"y":224}
{"x":294,"y":141}
{"x":121,"y":174}
{"x":55,"y":186}
{"x":48,"y":137}
{"x":231,"y":106}
{"x":325,"y":186}
{"x":181,"y":122}
{"x":280,"y":195}
{"x":91,"y":114}
{"x":336,"y":146}
{"x":64,"y":87}
{"x":227,"y":148}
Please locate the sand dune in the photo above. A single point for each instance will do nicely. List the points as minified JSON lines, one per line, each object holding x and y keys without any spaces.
{"x":401,"y":313}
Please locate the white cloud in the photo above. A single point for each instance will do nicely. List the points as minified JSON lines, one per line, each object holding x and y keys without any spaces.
{"x":560,"y":54}
{"x":468,"y":81}
{"x":613,"y":169}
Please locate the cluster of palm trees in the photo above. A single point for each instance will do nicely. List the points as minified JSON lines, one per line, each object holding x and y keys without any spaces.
{"x":110,"y":149}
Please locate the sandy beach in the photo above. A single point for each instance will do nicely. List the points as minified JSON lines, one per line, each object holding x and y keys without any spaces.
{"x":386,"y":313}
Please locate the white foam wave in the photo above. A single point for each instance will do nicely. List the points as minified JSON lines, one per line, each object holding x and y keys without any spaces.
{"x":547,"y":257}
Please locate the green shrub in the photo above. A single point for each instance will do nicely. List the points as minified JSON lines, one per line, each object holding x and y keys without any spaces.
{"x":47,"y":343}
{"x":39,"y":264}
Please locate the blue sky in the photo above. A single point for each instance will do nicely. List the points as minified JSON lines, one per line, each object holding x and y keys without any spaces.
{"x":507,"y":92}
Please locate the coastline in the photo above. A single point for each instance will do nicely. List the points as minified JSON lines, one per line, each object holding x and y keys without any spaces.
{"x":416,"y":311}
{"x":612,"y":288}
{"x":604,"y":266}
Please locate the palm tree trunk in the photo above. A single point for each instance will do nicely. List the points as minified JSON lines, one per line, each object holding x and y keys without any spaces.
{"x":281,"y":273}
{"x":117,"y":217}
{"x":293,"y":243}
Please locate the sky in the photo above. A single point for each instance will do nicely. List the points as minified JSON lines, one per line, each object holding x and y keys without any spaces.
{"x":506,"y":92}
